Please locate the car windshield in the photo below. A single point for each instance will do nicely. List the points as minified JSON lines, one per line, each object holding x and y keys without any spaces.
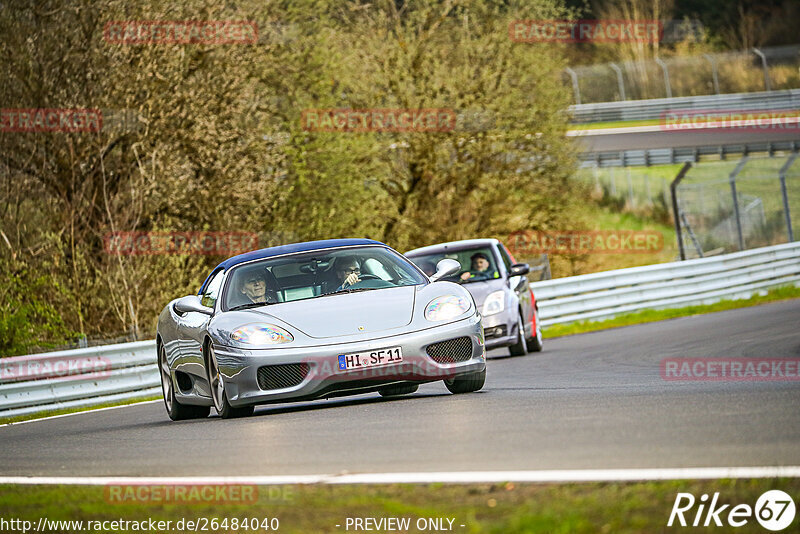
{"x":478,"y":264}
{"x":317,"y":274}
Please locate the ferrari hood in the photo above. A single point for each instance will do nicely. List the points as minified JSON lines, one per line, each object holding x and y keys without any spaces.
{"x":345,"y":314}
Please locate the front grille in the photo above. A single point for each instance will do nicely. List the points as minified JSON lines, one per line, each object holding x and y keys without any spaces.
{"x":281,"y":376}
{"x":451,"y":351}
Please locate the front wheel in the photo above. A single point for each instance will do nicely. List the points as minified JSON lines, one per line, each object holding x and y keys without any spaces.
{"x":466,"y":383}
{"x":215,"y":381}
{"x":176,"y":410}
{"x":535,"y":343}
{"x":519,"y":347}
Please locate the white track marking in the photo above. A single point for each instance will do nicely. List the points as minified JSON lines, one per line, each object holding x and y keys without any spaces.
{"x":451,"y":477}
{"x":90,"y":410}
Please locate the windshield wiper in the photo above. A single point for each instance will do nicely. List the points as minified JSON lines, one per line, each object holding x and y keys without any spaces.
{"x":356,"y":290}
{"x":248,"y":306}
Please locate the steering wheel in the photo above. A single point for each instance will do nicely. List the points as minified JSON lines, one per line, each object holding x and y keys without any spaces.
{"x":363,"y":278}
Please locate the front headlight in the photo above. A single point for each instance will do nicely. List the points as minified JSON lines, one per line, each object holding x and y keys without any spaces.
{"x":494,"y":303}
{"x":261,"y":334}
{"x":447,"y":307}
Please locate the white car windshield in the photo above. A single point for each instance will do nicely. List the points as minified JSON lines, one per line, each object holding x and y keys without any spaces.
{"x":478,"y":264}
{"x":317,"y":274}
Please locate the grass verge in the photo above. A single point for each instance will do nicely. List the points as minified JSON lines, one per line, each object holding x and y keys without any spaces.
{"x":50,"y":413}
{"x":492,"y":508}
{"x":648,"y":316}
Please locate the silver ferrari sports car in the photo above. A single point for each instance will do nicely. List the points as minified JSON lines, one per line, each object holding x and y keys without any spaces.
{"x":316,"y":320}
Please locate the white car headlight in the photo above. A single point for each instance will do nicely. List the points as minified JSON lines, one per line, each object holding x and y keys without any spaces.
{"x":494,"y":303}
{"x":261,"y":334}
{"x":446,"y":307}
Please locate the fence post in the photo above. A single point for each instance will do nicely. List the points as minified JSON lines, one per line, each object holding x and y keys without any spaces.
{"x":759,"y":53}
{"x":732,"y":179}
{"x":786,"y":212}
{"x":674,"y":189}
{"x":630,"y":187}
{"x":620,"y":82}
{"x":666,"y":76}
{"x":714,"y":75}
{"x":613,"y":182}
{"x":575,"y":87}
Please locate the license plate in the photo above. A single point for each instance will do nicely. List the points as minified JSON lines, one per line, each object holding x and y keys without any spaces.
{"x":371,"y":358}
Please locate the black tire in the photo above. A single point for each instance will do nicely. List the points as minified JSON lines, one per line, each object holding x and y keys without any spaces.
{"x":175,"y":409}
{"x":466,"y":383}
{"x":519,"y":348}
{"x":536,"y":342}
{"x":398,"y":389}
{"x":218,"y":395}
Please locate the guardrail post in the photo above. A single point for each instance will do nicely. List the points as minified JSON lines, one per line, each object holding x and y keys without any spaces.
{"x":613,"y":182}
{"x":714,"y":75}
{"x":666,"y":76}
{"x":620,"y":82}
{"x":674,"y":190}
{"x":786,"y":212}
{"x":575,"y":87}
{"x":759,"y":53}
{"x":630,"y":188}
{"x":732,"y":179}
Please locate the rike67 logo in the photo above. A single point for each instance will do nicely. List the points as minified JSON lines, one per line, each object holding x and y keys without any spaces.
{"x":774,"y":510}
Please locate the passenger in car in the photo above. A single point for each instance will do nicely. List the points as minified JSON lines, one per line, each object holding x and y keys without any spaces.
{"x":259,"y":286}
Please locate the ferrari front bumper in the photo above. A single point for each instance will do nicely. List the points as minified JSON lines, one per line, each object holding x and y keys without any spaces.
{"x":324,"y":377}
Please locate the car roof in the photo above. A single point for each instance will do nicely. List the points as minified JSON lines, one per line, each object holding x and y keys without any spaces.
{"x":452,"y":245}
{"x":288,"y":249}
{"x":294,"y":247}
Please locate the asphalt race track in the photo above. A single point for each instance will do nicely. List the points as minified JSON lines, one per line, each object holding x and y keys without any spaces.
{"x":589,"y":401}
{"x":602,"y":142}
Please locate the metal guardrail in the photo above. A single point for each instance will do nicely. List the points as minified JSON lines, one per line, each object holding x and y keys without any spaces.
{"x":788,"y":99}
{"x":663,"y":156}
{"x":604,"y":295}
{"x":78,"y":378}
{"x":127,"y":371}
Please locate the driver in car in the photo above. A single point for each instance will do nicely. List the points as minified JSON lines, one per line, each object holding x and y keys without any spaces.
{"x":348,"y":272}
{"x":479,"y":268}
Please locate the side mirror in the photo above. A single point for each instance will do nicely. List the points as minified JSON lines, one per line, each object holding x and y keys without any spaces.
{"x":519,"y":269}
{"x":445,"y":267}
{"x":191,"y":303}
